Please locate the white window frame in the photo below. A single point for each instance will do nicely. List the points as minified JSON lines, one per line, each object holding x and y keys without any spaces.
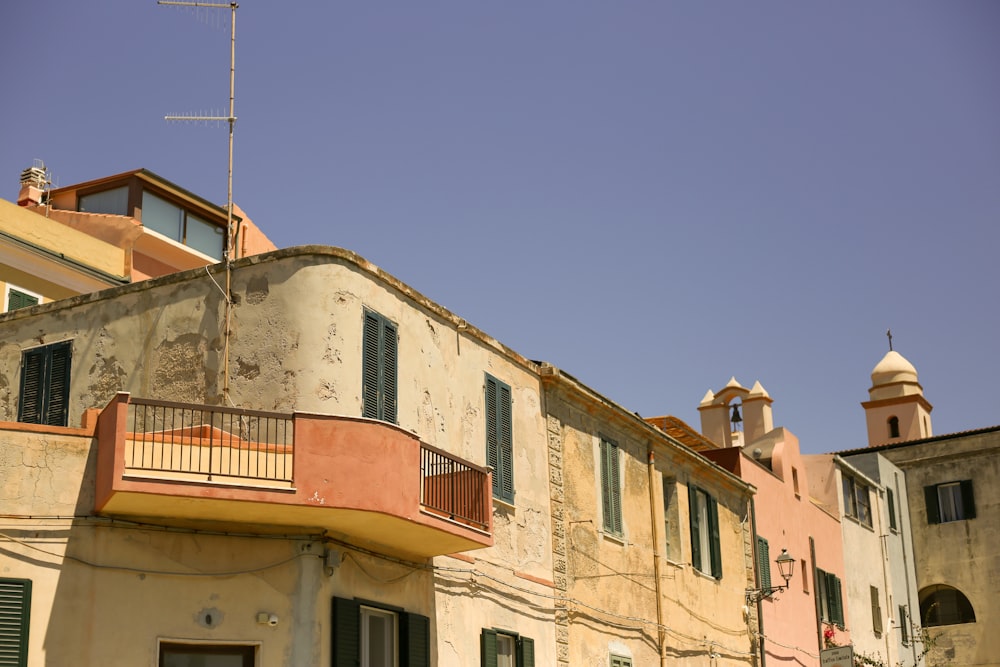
{"x":12,"y":286}
{"x":392,"y":637}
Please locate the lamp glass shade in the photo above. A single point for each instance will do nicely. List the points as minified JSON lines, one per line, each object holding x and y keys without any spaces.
{"x":786,"y":565}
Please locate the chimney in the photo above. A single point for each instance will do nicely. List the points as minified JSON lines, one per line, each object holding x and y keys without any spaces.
{"x":33,"y":182}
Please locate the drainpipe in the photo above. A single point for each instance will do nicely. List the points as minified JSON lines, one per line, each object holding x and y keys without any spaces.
{"x":661,"y":634}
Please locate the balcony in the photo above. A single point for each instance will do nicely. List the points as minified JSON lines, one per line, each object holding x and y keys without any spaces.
{"x":360,"y":480}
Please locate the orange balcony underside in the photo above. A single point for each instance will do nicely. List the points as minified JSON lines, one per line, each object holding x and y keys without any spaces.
{"x":355,"y":479}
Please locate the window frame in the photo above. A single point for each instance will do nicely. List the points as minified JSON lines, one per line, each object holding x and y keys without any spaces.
{"x":829,"y":591}
{"x":379,"y":367}
{"x":932,"y":501}
{"x":857,"y":499}
{"x":412,"y":633}
{"x":500,"y":436}
{"x":904,"y":625}
{"x":22,"y":295}
{"x":890,"y":499}
{"x":611,"y":490}
{"x":43,"y":397}
{"x":15,"y":604}
{"x":247,"y":652}
{"x":524,"y":648}
{"x":619,"y":661}
{"x":697,"y":498}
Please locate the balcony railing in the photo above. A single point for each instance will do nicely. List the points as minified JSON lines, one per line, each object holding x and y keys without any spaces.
{"x":454,"y":488}
{"x":208,"y":442}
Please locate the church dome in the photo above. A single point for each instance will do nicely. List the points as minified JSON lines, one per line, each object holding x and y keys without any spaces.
{"x":893,"y":368}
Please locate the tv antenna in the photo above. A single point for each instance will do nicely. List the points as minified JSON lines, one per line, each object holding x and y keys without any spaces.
{"x":230,"y":250}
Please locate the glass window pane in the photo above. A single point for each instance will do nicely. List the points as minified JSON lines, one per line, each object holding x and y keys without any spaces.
{"x":114,"y":201}
{"x":378,"y":638}
{"x":161,"y":216}
{"x":205,"y":237}
{"x":950,"y":497}
{"x":505,"y":651}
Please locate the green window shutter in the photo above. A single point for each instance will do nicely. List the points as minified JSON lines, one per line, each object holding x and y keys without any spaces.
{"x":379,"y":368}
{"x":15,"y":614}
{"x":57,"y":410}
{"x":715,"y":543}
{"x":891,"y":501}
{"x":499,"y":441}
{"x":414,"y":640}
{"x":45,"y":375}
{"x":17,"y":299}
{"x":610,"y":487}
{"x":346,"y":633}
{"x":694,"y":520}
{"x":525,"y":652}
{"x":488,"y":648}
{"x":764,"y":563}
{"x":933,"y":508}
{"x":390,"y":340}
{"x":32,"y":372}
{"x":968,"y":500}
{"x":369,"y":366}
{"x":837,"y":613}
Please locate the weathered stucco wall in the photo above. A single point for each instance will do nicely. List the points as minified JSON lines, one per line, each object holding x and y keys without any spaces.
{"x":610,"y":580}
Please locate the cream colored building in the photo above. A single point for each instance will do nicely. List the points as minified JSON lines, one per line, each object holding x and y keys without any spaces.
{"x":382,"y":487}
{"x":952,"y":486}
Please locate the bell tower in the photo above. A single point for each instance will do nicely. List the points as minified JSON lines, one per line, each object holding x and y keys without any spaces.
{"x":897,"y":410}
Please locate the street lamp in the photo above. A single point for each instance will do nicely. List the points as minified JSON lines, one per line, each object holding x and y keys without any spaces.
{"x":786,"y":567}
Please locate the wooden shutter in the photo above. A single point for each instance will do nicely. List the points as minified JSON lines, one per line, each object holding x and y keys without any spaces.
{"x":414,"y":640}
{"x":506,"y":442}
{"x":369,"y":366}
{"x":346,"y":633}
{"x":16,"y":299}
{"x":15,"y":614}
{"x":764,"y":563}
{"x":493,"y":435}
{"x":933,"y":507}
{"x":32,"y":373}
{"x":525,"y":652}
{"x":876,"y":611}
{"x":390,"y":341}
{"x":837,"y":610}
{"x":694,"y":521}
{"x":611,"y":503}
{"x":488,"y":648}
{"x":891,"y":500}
{"x":715,"y":543}
{"x":57,"y":409}
{"x":968,"y":500}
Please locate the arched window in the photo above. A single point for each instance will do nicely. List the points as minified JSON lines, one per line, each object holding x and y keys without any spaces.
{"x":894,"y":427}
{"x":944,"y":605}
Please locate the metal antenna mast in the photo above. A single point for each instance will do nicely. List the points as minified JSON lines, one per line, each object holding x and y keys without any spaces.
{"x":231,"y":119}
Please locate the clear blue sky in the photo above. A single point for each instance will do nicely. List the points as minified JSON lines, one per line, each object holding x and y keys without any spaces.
{"x":652,"y":195}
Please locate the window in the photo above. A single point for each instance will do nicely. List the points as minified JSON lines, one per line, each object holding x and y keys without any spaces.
{"x":671,"y":520}
{"x":805,"y":576}
{"x":45,"y":385}
{"x":369,"y":636}
{"x":611,"y":498}
{"x":499,"y":444}
{"x":857,"y":502}
{"x":890,"y":500}
{"x":20,"y":299}
{"x":15,"y":612}
{"x":795,"y":482}
{"x":206,"y":655}
{"x":506,"y":649}
{"x":175,"y":223}
{"x":831,"y":604}
{"x":893,"y":427}
{"x":904,"y":624}
{"x":378,"y":368}
{"x":763,"y":564}
{"x":112,"y":202}
{"x":876,"y":611}
{"x":620,"y":661}
{"x":944,"y":605}
{"x":706,"y":552}
{"x":953,"y":501}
